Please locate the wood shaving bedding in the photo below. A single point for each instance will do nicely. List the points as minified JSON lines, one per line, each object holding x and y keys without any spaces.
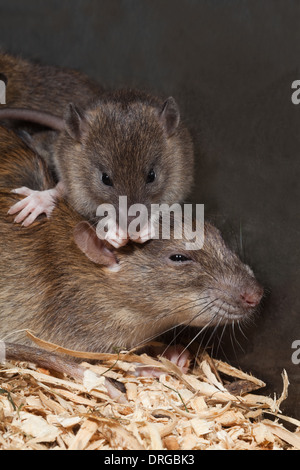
{"x":211,"y":407}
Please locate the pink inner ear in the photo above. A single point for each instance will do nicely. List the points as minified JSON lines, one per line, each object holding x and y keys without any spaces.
{"x":87,"y":241}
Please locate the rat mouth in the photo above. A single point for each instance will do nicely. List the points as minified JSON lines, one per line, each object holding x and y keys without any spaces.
{"x":227,"y":312}
{"x":233,"y":317}
{"x":231,"y":303}
{"x":220,"y":312}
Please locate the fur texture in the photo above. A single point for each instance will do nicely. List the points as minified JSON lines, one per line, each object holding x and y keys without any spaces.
{"x":49,"y":286}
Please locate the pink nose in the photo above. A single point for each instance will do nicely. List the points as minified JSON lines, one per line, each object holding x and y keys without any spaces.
{"x":251,"y":298}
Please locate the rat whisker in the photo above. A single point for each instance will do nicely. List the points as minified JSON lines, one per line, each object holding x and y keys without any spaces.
{"x":235,"y":338}
{"x":201,"y":312}
{"x":214,"y":330}
{"x":204,"y":328}
{"x":200,"y":331}
{"x":201,"y":342}
{"x":150,"y":338}
{"x":187,"y":305}
{"x":221,"y":337}
{"x":241,"y":330}
{"x":214,"y":333}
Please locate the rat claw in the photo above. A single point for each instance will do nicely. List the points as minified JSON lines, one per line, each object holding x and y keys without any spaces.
{"x":36,"y":203}
{"x":23,"y":214}
{"x":24,"y":191}
{"x":31,"y":218}
{"x":147,"y":233}
{"x":117,"y":243}
{"x":17,"y":207}
{"x":116,"y":237}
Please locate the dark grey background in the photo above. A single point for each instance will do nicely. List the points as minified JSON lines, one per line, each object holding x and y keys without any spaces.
{"x":230,"y":65}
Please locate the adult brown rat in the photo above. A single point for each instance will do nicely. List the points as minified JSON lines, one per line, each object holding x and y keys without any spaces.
{"x":122,"y":143}
{"x":59,"y":280}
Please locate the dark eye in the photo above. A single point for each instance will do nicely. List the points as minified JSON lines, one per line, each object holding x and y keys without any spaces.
{"x":151,"y":176}
{"x":179,"y":258}
{"x":106,"y":179}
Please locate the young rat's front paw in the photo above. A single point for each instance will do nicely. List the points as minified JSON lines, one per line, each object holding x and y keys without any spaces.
{"x":116,"y":236}
{"x":34,"y":204}
{"x":146,"y":233}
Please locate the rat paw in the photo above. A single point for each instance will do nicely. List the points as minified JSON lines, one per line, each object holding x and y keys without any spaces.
{"x":34,"y":204}
{"x":116,"y":237}
{"x":178,"y":355}
{"x":146,"y":233}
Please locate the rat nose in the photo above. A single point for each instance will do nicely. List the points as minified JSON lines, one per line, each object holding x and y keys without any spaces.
{"x":251,"y":297}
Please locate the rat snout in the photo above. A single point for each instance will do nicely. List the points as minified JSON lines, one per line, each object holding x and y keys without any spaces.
{"x":235,"y":298}
{"x":251,"y":296}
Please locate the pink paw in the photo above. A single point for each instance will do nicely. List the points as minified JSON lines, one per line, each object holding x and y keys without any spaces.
{"x":178,"y":355}
{"x":117,"y":238}
{"x":147,"y":233}
{"x":34,"y":204}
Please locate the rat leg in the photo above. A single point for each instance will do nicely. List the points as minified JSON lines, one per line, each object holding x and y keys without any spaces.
{"x":35,"y":203}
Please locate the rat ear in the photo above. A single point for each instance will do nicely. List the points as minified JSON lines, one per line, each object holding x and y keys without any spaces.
{"x":75,"y":122}
{"x":170,"y":116}
{"x":95,"y":249}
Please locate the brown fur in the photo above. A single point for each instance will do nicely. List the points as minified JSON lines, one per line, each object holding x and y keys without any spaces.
{"x":47,"y":285}
{"x":124,"y":138}
{"x":123,"y":134}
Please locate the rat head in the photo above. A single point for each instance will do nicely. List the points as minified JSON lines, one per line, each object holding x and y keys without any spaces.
{"x":164,"y":285}
{"x":128,"y":144}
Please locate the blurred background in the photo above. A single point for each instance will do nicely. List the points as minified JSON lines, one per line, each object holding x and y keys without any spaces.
{"x":230,"y":65}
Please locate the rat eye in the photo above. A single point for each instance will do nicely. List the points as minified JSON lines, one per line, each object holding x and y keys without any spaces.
{"x":106,"y":179}
{"x":151,"y":176}
{"x":179,"y":258}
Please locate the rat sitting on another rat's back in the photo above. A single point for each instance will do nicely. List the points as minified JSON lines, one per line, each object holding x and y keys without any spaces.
{"x":56,"y":277}
{"x":112,"y":144}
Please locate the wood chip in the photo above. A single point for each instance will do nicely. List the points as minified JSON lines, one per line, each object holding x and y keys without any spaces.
{"x":83,"y":436}
{"x":197,"y":410}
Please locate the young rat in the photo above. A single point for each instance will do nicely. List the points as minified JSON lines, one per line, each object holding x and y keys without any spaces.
{"x":59,"y":280}
{"x":122,"y":143}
